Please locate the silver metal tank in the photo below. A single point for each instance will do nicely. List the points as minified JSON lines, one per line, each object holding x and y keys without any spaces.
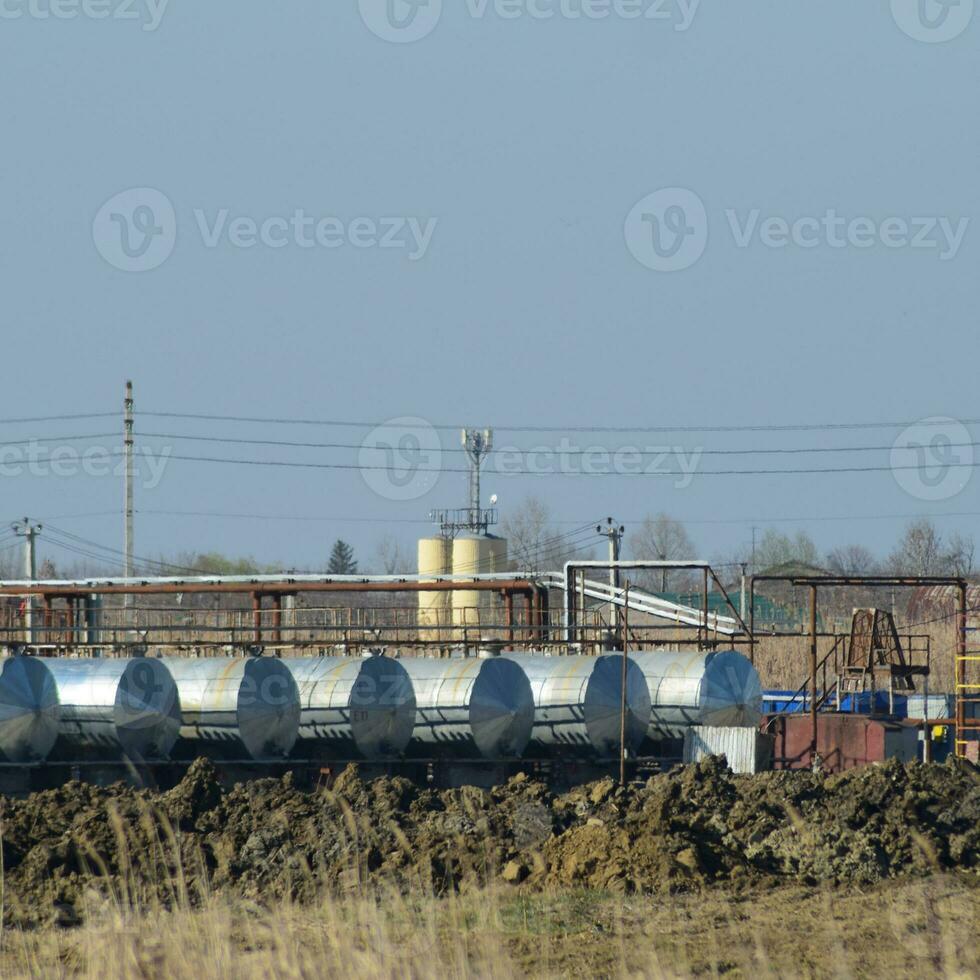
{"x":123,"y":707}
{"x":28,"y":710}
{"x":354,"y":706}
{"x":719,"y":689}
{"x":472,"y":706}
{"x":578,"y":702}
{"x":239,"y":708}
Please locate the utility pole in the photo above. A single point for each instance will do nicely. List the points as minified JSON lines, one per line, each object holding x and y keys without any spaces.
{"x":614,"y":533}
{"x":741,"y":604}
{"x":29,"y":533}
{"x":128,"y":488}
{"x":754,"y":529}
{"x":622,"y":690}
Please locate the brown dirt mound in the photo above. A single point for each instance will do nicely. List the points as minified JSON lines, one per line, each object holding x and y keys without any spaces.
{"x":266,"y":839}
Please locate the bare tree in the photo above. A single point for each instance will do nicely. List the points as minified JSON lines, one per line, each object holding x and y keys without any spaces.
{"x":661,"y":538}
{"x":534,"y":543}
{"x":960,"y":554}
{"x":852,"y":559}
{"x":920,"y":551}
{"x":776,"y":549}
{"x":391,"y":558}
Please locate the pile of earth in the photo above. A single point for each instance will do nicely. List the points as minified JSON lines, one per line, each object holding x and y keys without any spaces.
{"x":266,"y":839}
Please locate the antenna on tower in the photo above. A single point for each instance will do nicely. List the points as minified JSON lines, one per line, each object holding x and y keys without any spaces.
{"x":477,"y":444}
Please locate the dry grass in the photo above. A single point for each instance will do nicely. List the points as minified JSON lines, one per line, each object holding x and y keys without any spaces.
{"x":926,"y":928}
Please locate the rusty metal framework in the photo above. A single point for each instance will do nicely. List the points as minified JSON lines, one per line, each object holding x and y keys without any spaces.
{"x":967,"y":660}
{"x":267,"y":596}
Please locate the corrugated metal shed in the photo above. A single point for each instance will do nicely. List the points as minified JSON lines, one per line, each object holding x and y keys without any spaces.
{"x":746,"y":749}
{"x":941,"y":600}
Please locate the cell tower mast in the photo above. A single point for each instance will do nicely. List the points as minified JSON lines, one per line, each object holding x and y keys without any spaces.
{"x":478,"y":444}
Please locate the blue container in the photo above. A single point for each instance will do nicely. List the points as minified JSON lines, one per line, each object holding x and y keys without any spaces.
{"x":860,"y":704}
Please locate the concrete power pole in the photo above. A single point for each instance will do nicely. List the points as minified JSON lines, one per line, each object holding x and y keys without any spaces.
{"x":29,"y":533}
{"x":128,"y":488}
{"x":614,"y":533}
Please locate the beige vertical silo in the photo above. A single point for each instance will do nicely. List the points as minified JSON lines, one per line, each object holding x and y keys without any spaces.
{"x":435,"y":610}
{"x":475,"y":554}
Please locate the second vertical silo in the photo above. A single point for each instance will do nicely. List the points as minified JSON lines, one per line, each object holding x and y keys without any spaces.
{"x":475,"y":554}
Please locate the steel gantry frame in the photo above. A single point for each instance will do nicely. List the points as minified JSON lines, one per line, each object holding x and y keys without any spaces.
{"x":962,"y":657}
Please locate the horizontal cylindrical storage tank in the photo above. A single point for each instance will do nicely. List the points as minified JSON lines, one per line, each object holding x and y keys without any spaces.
{"x":720,"y":689}
{"x":118,"y":707}
{"x":471,"y":707}
{"x":28,"y":710}
{"x":354,"y":706}
{"x":244,"y":707}
{"x":578,"y":702}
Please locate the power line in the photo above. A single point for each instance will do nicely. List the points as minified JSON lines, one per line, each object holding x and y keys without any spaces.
{"x":59,"y":418}
{"x":534,"y":449}
{"x":347,"y":423}
{"x":79,"y":542}
{"x":27,"y":442}
{"x":293,"y":464}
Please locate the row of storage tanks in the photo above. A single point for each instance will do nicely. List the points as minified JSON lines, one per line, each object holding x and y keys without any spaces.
{"x":466,"y":554}
{"x":373,"y":708}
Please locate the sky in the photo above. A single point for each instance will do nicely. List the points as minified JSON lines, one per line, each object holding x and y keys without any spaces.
{"x":701,"y":226}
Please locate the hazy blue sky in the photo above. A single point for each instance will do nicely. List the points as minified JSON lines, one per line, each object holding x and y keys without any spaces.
{"x":528,"y":141}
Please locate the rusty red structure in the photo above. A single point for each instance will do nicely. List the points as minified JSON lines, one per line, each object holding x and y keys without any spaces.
{"x":967,"y":659}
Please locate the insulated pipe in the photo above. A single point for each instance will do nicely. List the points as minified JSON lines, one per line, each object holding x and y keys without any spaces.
{"x":28,"y":710}
{"x":471,"y":706}
{"x":241,"y":707}
{"x":363,"y":706}
{"x":116,"y":707}
{"x":578,"y":702}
